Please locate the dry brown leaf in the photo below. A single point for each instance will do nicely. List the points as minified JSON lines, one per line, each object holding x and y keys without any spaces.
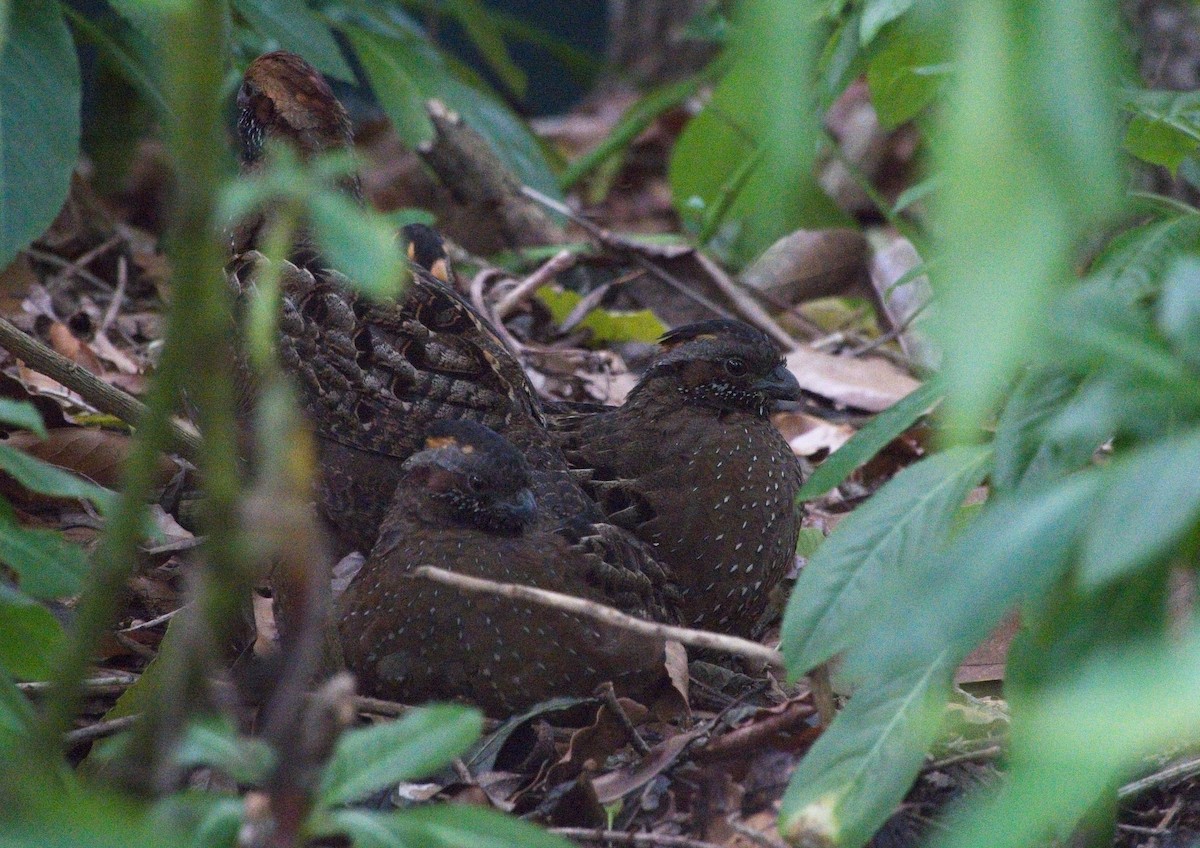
{"x":870,"y":383}
{"x":987,"y":662}
{"x":809,"y":264}
{"x":106,"y":350}
{"x":97,"y":455}
{"x":808,"y":435}
{"x":66,"y":343}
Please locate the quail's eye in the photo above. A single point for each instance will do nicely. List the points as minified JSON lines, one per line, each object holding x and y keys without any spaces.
{"x":474,"y":481}
{"x":735,"y":366}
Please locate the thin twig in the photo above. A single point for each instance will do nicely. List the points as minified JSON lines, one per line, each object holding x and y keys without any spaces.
{"x":757,"y":837}
{"x":154,"y":622}
{"x":607,"y":615}
{"x":68,"y":265}
{"x":607,"y":239}
{"x":101,"y":395}
{"x":621,"y":837}
{"x":99,"y":730}
{"x":741,"y":298}
{"x":991,"y":752}
{"x":118,"y":296}
{"x":101,"y":684}
{"x":609,"y":695}
{"x":1163,"y":777}
{"x":551,"y":268}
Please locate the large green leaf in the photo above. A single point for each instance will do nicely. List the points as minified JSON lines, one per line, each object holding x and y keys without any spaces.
{"x":1016,"y":549}
{"x":1151,"y":502}
{"x":852,"y":778}
{"x":46,"y":479}
{"x":401,"y":53}
{"x":296,"y":28}
{"x":865,"y":562}
{"x":906,"y":71}
{"x":17,"y":718}
{"x":760,"y":124}
{"x":1080,"y":738}
{"x":484,"y":32}
{"x":1165,"y":127}
{"x":46,"y":564}
{"x":370,"y":759}
{"x":213,"y":741}
{"x":442,"y":826}
{"x":32,"y":636}
{"x":395,"y":89}
{"x":39,"y":123}
{"x":1030,"y":161}
{"x":871,"y":439}
{"x":359,"y":243}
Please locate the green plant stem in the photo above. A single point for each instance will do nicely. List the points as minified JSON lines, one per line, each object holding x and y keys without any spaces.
{"x":197,"y":357}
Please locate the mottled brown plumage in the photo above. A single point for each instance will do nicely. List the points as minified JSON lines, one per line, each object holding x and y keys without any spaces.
{"x":692,"y":466}
{"x":464,"y":503}
{"x":372,"y":376}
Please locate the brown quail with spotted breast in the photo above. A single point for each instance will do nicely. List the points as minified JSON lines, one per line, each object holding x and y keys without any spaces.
{"x":464,"y":503}
{"x":692,"y":465}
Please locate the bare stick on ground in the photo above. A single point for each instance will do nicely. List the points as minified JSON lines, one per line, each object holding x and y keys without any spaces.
{"x":599,"y":612}
{"x":88,"y":386}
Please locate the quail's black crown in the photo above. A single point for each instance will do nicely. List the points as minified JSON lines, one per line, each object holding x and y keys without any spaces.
{"x":725,"y":365}
{"x":476,"y":477}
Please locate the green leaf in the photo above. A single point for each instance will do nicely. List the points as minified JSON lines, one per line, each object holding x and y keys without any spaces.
{"x":32,"y":636}
{"x":395,"y":89}
{"x":1151,"y":501}
{"x":1134,"y":263}
{"x":215,"y":742}
{"x":373,"y":758}
{"x":606,"y":325}
{"x":297,"y":29}
{"x":442,"y":826}
{"x":879,"y":13}
{"x":1030,"y":162}
{"x":905,"y":72}
{"x":132,"y":67}
{"x":45,"y":479}
{"x":870,"y":440}
{"x":17,"y":719}
{"x":869,"y":556}
{"x":46,"y":564}
{"x":1016,"y":549}
{"x":860,"y":768}
{"x":1165,"y":128}
{"x":476,"y":19}
{"x":760,"y":122}
{"x":39,"y":123}
{"x":23,"y":414}
{"x":509,"y":137}
{"x":359,"y":243}
{"x":636,"y":118}
{"x":1078,"y":739}
{"x":1179,"y":308}
{"x":1025,"y":451}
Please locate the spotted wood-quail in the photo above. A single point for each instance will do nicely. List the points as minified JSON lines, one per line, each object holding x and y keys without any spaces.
{"x":692,"y":465}
{"x":464,"y":503}
{"x":373,"y":376}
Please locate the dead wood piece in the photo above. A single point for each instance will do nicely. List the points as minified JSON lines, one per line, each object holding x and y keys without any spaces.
{"x":475,"y":176}
{"x":599,"y":612}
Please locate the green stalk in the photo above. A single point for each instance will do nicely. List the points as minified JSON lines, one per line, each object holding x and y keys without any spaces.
{"x":196,"y":357}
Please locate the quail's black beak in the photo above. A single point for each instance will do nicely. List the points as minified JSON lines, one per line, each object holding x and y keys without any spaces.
{"x":779,"y":385}
{"x":520,"y":510}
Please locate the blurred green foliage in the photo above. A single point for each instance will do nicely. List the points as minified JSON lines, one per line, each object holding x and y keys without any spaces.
{"x":1067,"y":311}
